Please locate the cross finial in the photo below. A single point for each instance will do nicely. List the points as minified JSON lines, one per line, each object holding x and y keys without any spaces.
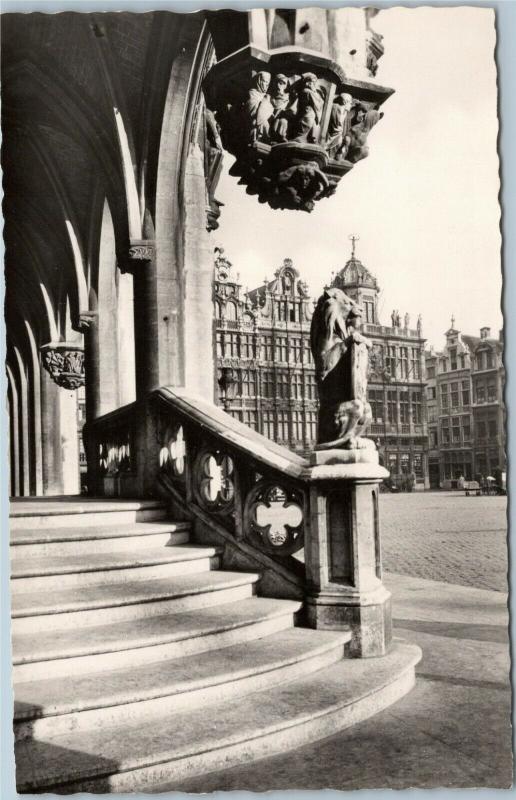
{"x":353,"y":239}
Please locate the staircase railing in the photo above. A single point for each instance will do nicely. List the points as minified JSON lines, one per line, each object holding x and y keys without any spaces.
{"x":232,"y":481}
{"x":310,"y":526}
{"x":225,"y":472}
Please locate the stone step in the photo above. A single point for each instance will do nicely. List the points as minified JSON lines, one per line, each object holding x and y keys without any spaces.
{"x":112,"y":645}
{"x":51,"y":573}
{"x":59,"y":512}
{"x":171,"y":747}
{"x":39,"y":542}
{"x":129,"y":694}
{"x":93,"y":605}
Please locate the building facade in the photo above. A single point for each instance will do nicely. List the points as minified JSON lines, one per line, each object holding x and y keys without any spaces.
{"x":263,"y":338}
{"x":466,"y":408}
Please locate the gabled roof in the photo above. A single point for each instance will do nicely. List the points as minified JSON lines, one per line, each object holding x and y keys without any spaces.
{"x":474,"y":341}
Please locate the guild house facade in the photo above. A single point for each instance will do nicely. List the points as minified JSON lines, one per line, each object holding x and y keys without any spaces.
{"x":466,"y":410}
{"x":265,"y":370}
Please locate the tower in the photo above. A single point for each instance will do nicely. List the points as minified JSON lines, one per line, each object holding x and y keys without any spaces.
{"x":358,"y":283}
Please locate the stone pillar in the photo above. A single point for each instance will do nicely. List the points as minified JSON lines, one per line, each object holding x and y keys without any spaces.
{"x":198,"y":324}
{"x":342,"y":551}
{"x":125,"y":340}
{"x":51,"y":436}
{"x":24,"y":427}
{"x":89,"y":327}
{"x":14,"y":435}
{"x":69,"y":441}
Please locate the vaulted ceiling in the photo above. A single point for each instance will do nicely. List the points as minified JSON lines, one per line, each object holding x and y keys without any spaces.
{"x":75,"y":88}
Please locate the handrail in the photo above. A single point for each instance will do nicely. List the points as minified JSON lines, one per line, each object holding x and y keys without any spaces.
{"x":229,"y":430}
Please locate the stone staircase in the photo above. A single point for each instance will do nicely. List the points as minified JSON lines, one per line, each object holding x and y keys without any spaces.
{"x":137,"y":661}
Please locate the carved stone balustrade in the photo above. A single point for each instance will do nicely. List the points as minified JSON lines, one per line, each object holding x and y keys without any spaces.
{"x":310,"y":528}
{"x":64,"y":361}
{"x":111,"y":450}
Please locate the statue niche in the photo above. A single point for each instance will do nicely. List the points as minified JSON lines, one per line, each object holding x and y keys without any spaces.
{"x":341,"y":362}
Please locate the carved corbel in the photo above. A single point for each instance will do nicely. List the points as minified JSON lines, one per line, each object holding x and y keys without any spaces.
{"x":64,"y":362}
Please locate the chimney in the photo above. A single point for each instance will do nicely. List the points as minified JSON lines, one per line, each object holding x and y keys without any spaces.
{"x":485,"y":332}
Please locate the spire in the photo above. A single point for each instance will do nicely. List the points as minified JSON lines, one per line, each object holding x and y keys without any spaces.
{"x":353,"y":239}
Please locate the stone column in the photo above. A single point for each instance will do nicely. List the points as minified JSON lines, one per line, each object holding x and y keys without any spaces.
{"x":69,"y":441}
{"x":51,"y":436}
{"x":343,"y":558}
{"x":89,"y":327}
{"x":24,"y":427}
{"x":14,"y":435}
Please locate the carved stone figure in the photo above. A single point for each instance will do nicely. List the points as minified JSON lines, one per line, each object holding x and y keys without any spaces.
{"x":420,"y":324}
{"x":338,"y":138}
{"x":281,"y":111}
{"x":296,"y":187}
{"x":362,"y":123}
{"x":310,"y":103}
{"x":407,"y":320}
{"x":341,"y":362}
{"x":393,"y":318}
{"x":258,"y":107}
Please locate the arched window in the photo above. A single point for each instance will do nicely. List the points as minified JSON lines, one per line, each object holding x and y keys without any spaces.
{"x":231,"y":311}
{"x":218,"y":310}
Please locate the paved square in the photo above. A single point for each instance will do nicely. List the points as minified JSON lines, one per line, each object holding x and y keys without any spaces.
{"x":445,"y":536}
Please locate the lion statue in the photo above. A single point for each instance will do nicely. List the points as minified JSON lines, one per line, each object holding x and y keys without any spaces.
{"x":341,"y":359}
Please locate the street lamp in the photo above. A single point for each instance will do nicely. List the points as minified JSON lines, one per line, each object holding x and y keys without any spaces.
{"x":227,"y":383}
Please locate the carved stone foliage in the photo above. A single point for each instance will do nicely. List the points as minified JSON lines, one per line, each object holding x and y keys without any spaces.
{"x":341,"y":365}
{"x":274,"y":517}
{"x":65,"y":364}
{"x":293,"y":121}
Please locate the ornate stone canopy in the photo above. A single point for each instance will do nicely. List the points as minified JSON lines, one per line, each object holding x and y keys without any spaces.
{"x":293,"y":119}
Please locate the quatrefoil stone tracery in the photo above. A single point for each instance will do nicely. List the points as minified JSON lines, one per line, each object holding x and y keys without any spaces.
{"x":173,"y":453}
{"x":215,"y":480}
{"x":177,"y":451}
{"x":274,"y":518}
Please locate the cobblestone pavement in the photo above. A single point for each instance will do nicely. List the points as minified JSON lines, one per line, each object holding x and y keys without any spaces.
{"x":446,"y":536}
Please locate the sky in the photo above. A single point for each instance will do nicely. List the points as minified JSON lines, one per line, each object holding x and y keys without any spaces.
{"x":425,"y":201}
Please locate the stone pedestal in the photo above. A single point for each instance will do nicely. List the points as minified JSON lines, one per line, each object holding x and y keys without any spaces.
{"x":343,"y":558}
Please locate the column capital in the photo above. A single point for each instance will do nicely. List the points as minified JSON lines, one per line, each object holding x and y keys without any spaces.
{"x":140,"y":252}
{"x":86,"y":319}
{"x":64,"y":362}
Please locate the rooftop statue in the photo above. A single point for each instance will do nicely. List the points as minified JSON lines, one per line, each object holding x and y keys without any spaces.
{"x":341,"y":359}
